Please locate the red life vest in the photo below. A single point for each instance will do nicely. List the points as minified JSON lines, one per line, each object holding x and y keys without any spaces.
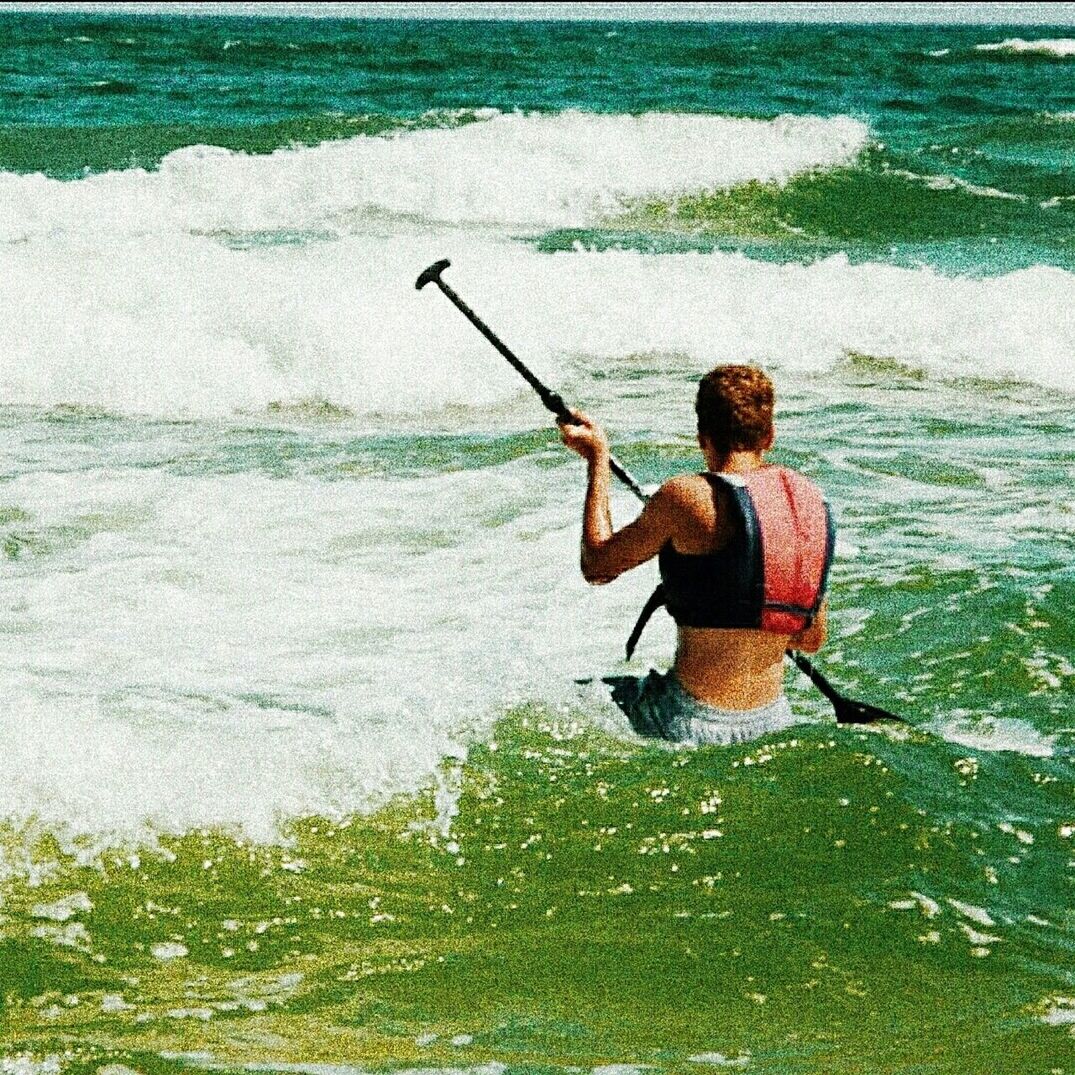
{"x":772,"y":574}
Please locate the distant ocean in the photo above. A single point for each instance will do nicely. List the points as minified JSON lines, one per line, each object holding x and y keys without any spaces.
{"x":294,"y":773}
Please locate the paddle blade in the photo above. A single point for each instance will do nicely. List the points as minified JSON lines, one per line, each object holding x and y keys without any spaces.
{"x":849,"y":711}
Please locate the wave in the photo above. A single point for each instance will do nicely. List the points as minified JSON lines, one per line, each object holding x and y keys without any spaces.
{"x":73,"y":152}
{"x":511,"y":169}
{"x":179,"y":325}
{"x":1010,"y":50}
{"x":831,"y":864}
{"x":1056,"y":48}
{"x":793,"y":181}
{"x":1025,"y":129}
{"x":874,"y":201}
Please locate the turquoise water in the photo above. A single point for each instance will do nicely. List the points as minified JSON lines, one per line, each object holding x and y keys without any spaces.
{"x":295,"y":772}
{"x":968,"y":146}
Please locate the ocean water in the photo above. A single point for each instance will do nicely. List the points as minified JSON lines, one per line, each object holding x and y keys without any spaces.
{"x":294,"y":772}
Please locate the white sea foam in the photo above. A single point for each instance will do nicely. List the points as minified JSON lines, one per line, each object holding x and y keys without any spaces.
{"x":995,"y":734}
{"x":239,"y":650}
{"x":514,"y":169}
{"x":20,"y":1064}
{"x":1059,"y":46}
{"x":1061,"y":1012}
{"x":951,"y":182}
{"x":179,"y":325}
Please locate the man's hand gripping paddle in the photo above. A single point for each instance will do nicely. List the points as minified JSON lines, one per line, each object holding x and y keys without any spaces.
{"x":848,"y":711}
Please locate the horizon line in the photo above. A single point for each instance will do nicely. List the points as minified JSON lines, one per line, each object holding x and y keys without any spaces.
{"x":811,"y":13}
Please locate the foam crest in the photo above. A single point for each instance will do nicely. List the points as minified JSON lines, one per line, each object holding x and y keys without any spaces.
{"x":514,"y":169}
{"x":180,"y":326}
{"x":996,"y":734}
{"x":136,"y":763}
{"x":240,"y":650}
{"x":1060,"y":47}
{"x":183,"y":326}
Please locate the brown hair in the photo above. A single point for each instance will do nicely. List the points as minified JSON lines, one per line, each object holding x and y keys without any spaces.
{"x":735,"y":408}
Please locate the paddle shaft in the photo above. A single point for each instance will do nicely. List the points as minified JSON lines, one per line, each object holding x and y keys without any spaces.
{"x":555,"y":403}
{"x":808,"y":669}
{"x":552,"y":400}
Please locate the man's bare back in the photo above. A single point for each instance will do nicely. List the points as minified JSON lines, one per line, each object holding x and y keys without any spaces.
{"x":733,"y":669}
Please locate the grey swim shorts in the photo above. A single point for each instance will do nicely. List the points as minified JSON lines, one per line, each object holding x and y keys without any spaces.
{"x":658,"y":707}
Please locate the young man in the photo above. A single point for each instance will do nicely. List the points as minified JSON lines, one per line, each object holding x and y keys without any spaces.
{"x":744,"y":550}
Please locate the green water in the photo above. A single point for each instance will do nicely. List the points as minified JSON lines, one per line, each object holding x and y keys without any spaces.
{"x":593,"y":903}
{"x":825,"y":900}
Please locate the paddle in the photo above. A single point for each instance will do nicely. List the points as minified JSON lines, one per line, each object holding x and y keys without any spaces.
{"x":848,"y":711}
{"x":552,"y":400}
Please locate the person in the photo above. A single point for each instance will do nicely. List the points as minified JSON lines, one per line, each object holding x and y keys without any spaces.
{"x":744,"y":550}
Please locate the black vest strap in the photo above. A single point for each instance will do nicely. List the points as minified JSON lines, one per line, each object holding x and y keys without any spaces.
{"x":656,"y":601}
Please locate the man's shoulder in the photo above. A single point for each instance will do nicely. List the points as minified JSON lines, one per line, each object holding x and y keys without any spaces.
{"x":685,"y":491}
{"x":685,"y":485}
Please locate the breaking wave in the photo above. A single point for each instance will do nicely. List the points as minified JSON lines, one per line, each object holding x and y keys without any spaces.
{"x":180,"y":325}
{"x":511,"y":169}
{"x":1057,"y":48}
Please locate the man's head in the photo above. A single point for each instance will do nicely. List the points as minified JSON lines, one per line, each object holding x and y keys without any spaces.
{"x":735,"y":410}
